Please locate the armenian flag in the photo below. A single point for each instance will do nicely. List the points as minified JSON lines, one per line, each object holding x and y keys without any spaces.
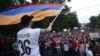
{"x":39,"y":11}
{"x":57,"y":37}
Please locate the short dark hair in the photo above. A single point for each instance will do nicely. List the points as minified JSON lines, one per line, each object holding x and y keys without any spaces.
{"x":26,"y":19}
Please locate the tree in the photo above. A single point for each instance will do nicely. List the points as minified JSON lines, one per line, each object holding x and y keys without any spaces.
{"x":35,"y":1}
{"x":4,"y":4}
{"x":72,"y":20}
{"x":98,"y":20}
{"x":94,"y":21}
{"x":22,"y":1}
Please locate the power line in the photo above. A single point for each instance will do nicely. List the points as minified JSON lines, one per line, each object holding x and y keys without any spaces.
{"x":88,"y":7}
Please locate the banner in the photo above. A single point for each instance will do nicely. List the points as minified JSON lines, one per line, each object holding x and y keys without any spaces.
{"x":57,"y":37}
{"x":39,"y":11}
{"x":94,"y":35}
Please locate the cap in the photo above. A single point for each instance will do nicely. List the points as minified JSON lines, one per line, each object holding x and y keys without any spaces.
{"x":26,"y":19}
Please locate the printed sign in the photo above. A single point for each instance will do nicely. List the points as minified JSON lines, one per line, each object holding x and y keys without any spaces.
{"x":94,"y":35}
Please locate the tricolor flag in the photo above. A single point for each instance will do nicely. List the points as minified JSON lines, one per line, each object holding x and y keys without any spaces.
{"x":39,"y":11}
{"x":57,"y":37}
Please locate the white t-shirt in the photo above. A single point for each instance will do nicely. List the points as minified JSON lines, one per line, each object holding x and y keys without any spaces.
{"x":57,"y":44}
{"x":47,"y":44}
{"x":66,"y":47}
{"x":89,"y":53}
{"x":28,"y":42}
{"x":87,"y":45}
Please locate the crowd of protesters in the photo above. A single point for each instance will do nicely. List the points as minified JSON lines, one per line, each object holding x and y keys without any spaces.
{"x":71,"y":43}
{"x":7,"y":45}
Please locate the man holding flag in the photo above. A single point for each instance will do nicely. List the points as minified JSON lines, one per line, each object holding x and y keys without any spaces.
{"x":28,"y":38}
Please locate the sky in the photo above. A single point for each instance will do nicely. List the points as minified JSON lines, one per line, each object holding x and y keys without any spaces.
{"x":85,"y":9}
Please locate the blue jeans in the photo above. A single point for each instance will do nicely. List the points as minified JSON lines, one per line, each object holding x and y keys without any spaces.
{"x":59,"y":52}
{"x":81,"y":53}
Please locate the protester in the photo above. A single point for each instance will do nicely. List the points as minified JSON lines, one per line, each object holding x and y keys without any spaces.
{"x":89,"y":52}
{"x":86,"y":47}
{"x":58,"y":48}
{"x":82,"y":48}
{"x":96,"y":50}
{"x":66,"y":48}
{"x":75,"y":46}
{"x":28,"y":38}
{"x":71,"y":43}
{"x":15,"y":46}
{"x":47,"y":48}
{"x":53,"y":46}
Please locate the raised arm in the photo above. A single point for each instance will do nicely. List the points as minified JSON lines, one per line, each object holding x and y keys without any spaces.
{"x":48,"y":29}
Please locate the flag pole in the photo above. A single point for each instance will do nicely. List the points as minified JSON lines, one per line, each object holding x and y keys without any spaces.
{"x":58,"y":14}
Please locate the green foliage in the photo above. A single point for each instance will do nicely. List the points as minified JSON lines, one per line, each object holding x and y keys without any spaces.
{"x":94,"y":21}
{"x":69,"y":0}
{"x":10,"y":29}
{"x":35,"y":1}
{"x":4,"y":4}
{"x":22,"y":1}
{"x":52,"y":1}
